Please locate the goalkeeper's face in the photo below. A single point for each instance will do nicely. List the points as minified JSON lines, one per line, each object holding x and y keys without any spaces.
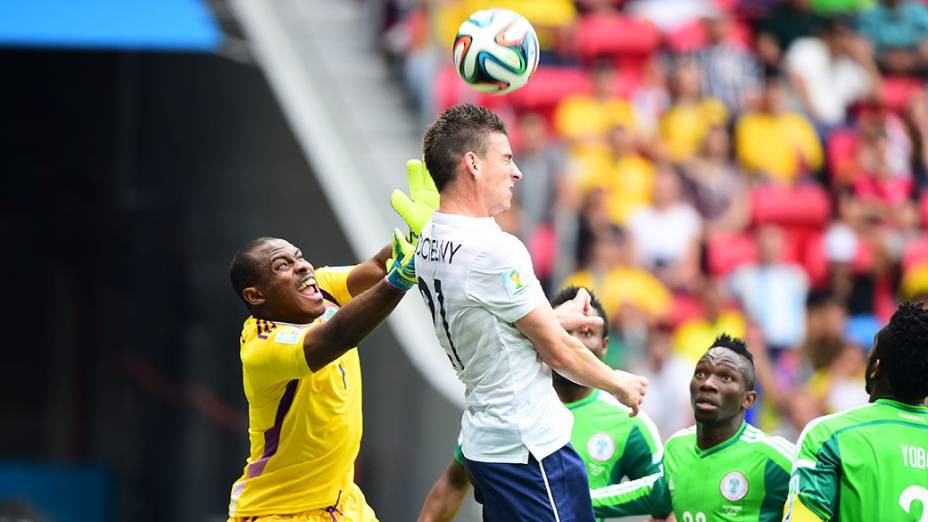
{"x":287,"y":289}
{"x":496,"y":173}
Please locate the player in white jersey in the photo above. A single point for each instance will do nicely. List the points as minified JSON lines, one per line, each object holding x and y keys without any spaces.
{"x":499,"y":332}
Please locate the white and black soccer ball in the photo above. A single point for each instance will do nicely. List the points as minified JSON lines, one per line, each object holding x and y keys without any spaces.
{"x":496,"y":51}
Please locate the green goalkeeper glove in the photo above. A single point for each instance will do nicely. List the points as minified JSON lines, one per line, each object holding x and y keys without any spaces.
{"x":416,"y":211}
{"x":401,"y":268}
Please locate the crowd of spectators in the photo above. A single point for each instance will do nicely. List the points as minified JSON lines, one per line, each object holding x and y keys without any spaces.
{"x":753,"y":167}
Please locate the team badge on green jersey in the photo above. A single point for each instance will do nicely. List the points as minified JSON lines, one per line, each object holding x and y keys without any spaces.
{"x":734,"y":486}
{"x":601,"y":447}
{"x":512,"y":281}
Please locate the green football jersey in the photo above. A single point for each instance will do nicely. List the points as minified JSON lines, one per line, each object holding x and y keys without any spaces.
{"x":867,"y":463}
{"x":742,"y":479}
{"x":612,"y":445}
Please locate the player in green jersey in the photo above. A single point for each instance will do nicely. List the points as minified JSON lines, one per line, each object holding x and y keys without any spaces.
{"x":612,"y":444}
{"x":871,"y":463}
{"x":721,"y":468}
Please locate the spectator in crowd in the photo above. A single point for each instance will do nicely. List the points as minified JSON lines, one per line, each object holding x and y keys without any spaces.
{"x":898,"y":30}
{"x":667,"y":233}
{"x":729,"y":72}
{"x":774,"y":144}
{"x":715,"y":187}
{"x":670,"y":14}
{"x":838,"y":7}
{"x":612,"y":275}
{"x":545,"y":166}
{"x":625,"y":176}
{"x":715,"y":320}
{"x":668,"y":376}
{"x":651,"y":98}
{"x":684,"y":126}
{"x":773,"y":292}
{"x":916,"y":121}
{"x":584,"y":120}
{"x":830,"y":71}
{"x":787,"y":22}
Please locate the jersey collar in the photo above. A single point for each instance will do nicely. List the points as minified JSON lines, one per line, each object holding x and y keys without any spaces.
{"x":703,"y":453}
{"x":902,"y":406}
{"x":584,"y":401}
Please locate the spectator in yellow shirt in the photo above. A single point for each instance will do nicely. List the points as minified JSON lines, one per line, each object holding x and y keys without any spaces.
{"x":774,"y":144}
{"x":620,"y":285}
{"x":625,"y":176}
{"x":683,"y":128}
{"x":715,"y":321}
{"x":584,"y":120}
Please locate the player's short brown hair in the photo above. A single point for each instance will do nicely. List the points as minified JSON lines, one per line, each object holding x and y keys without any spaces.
{"x":457,"y":131}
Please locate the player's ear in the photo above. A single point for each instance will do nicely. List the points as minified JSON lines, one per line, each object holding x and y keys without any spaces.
{"x":605,"y":346}
{"x":875,"y":370}
{"x":253,"y":296}
{"x":471,"y":163}
{"x":749,"y":399}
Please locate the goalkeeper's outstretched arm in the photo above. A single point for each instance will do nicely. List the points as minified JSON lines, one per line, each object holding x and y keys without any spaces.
{"x":446,"y":496}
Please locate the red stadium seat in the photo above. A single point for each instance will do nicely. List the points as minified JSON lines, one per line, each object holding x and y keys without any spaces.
{"x":727,"y":252}
{"x":601,"y":34}
{"x":896,"y":91}
{"x":684,"y":308}
{"x":790,"y":206}
{"x":548,"y":85}
{"x":692,"y":36}
{"x":923,"y":209}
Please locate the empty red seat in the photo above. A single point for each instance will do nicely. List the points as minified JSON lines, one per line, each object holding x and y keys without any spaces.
{"x":790,"y":206}
{"x":548,"y":85}
{"x":840,"y":150}
{"x":602,"y":34}
{"x":896,"y":91}
{"x":727,"y":252}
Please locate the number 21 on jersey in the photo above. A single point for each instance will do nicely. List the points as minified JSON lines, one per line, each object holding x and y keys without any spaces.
{"x":427,"y":295}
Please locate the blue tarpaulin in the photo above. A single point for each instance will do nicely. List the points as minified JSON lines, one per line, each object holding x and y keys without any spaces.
{"x":171,"y":25}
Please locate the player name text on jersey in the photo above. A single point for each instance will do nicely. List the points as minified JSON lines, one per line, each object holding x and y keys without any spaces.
{"x":914,"y":457}
{"x":437,"y":249}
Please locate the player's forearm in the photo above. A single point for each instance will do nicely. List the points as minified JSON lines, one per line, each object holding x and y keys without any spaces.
{"x":370,"y":272}
{"x":358,"y":318}
{"x":443,"y":502}
{"x":577,"y":363}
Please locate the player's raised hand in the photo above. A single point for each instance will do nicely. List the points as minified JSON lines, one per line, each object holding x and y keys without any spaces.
{"x":631,"y":390}
{"x":401,"y":268}
{"x":416,"y":209}
{"x":577,"y":313}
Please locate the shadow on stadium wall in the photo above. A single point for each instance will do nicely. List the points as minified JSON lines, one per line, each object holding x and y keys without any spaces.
{"x":130,"y":179}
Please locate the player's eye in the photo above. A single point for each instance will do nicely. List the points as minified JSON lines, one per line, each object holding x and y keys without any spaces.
{"x":726,"y":378}
{"x":700,"y":374}
{"x":280,"y":265}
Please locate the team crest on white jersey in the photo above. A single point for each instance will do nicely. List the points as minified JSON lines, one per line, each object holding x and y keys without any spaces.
{"x":734,"y":486}
{"x":601,"y":447}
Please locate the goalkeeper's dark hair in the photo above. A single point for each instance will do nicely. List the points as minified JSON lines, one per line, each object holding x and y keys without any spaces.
{"x":243,"y":271}
{"x":569,"y":292}
{"x":902,"y":348}
{"x":739,"y":347}
{"x":458,"y":130}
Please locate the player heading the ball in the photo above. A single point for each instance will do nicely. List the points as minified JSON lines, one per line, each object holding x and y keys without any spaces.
{"x":499,"y":331}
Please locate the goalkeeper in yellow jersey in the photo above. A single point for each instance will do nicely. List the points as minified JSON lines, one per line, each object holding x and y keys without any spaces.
{"x":302,"y":377}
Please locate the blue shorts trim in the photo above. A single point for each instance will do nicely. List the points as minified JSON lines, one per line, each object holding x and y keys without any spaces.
{"x":553,"y":490}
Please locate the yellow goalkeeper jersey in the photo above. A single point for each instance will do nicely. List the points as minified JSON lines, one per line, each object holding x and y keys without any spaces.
{"x":304,"y":426}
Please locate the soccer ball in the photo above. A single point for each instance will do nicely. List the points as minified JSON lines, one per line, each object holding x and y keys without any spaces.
{"x":496,"y":51}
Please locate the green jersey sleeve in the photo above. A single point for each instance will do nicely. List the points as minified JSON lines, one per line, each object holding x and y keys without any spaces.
{"x":642,"y":454}
{"x":816,"y":473}
{"x":776,"y":486}
{"x":643,"y":496}
{"x":458,"y":454}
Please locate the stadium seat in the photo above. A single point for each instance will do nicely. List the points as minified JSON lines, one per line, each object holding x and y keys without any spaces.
{"x":692,"y":36}
{"x":806,"y":205}
{"x":896,"y":91}
{"x":726,"y":252}
{"x":614,"y":35}
{"x":923,"y":209}
{"x":684,"y":308}
{"x":548,"y":86}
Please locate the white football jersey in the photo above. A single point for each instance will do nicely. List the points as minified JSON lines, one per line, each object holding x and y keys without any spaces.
{"x":477,"y":281}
